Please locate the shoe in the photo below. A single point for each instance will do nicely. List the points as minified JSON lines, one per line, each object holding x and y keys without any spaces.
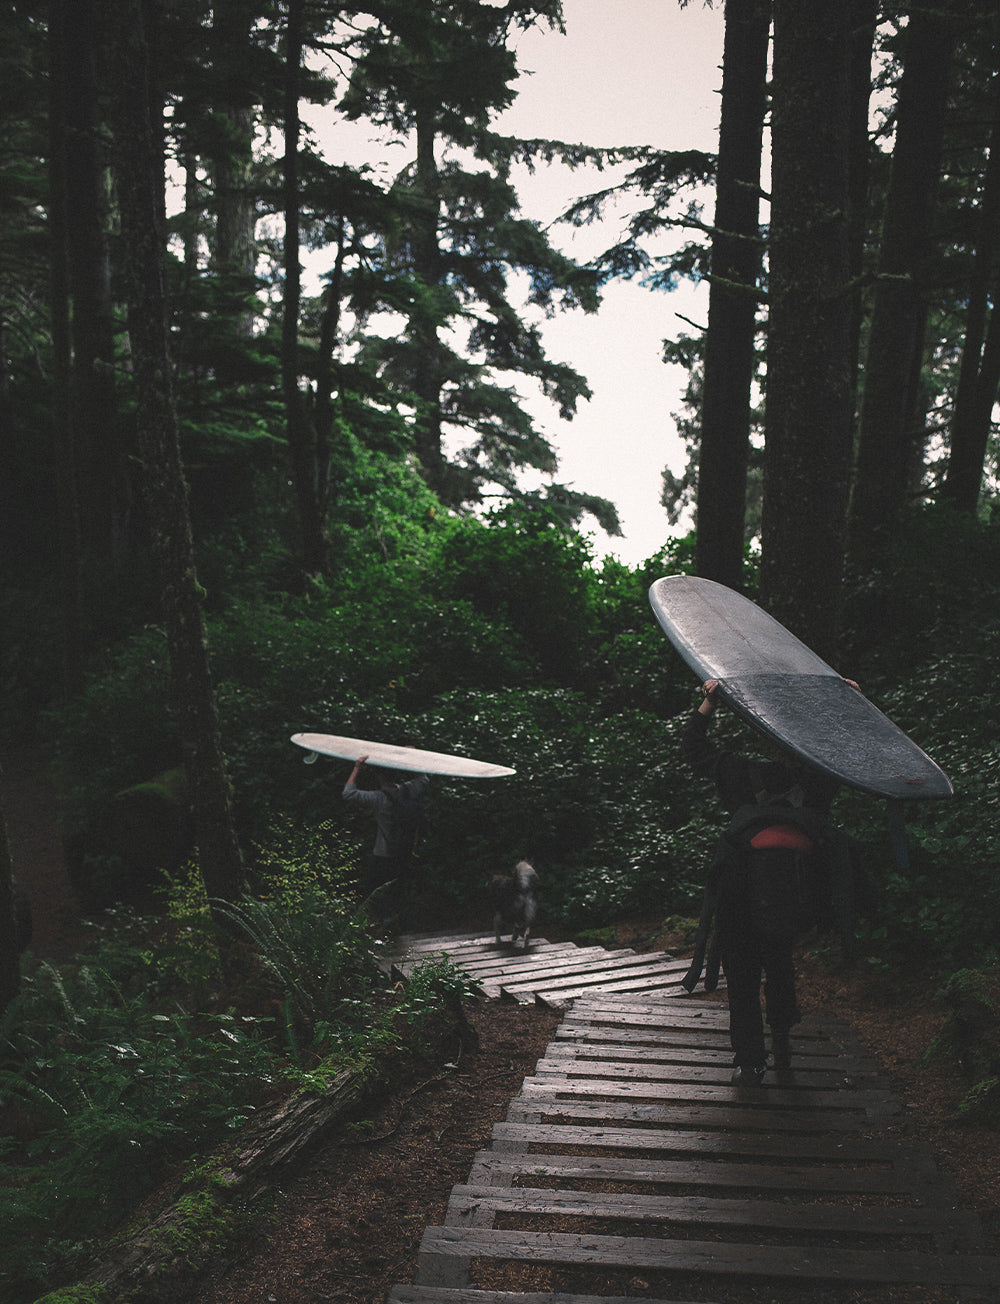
{"x":748,"y":1075}
{"x":781,"y":1050}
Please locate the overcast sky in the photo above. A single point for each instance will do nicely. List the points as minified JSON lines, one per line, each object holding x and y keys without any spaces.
{"x":632,"y":72}
{"x":627,"y":72}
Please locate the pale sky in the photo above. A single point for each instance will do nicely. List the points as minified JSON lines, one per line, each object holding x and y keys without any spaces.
{"x":635,"y":72}
{"x":627,"y":72}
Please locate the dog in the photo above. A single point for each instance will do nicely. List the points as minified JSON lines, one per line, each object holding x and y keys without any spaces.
{"x":515,"y":902}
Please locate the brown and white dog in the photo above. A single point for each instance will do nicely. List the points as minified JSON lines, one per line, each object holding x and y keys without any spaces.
{"x":514,"y":898}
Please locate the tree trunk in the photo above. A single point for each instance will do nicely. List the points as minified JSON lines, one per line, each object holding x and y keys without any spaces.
{"x":896,"y":337}
{"x":424,"y":319}
{"x":808,"y":349}
{"x":979,"y":376}
{"x":100,"y":461}
{"x":732,"y":303}
{"x":299,"y":427}
{"x":864,"y":15}
{"x":325,"y":412}
{"x":234,"y":245}
{"x":159,"y":452}
{"x":10,"y":962}
{"x":63,"y":446}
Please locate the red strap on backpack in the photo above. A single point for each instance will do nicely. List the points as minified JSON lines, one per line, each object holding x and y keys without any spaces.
{"x":784,"y":836}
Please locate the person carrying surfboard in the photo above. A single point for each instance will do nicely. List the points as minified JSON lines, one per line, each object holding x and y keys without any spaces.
{"x":756,"y":894}
{"x":398,"y":810}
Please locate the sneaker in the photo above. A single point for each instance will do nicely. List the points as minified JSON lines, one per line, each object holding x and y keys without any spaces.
{"x":748,"y":1075}
{"x":781,"y":1050}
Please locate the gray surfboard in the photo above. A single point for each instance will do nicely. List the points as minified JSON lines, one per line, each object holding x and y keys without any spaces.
{"x":389,"y":756}
{"x":773,"y":681}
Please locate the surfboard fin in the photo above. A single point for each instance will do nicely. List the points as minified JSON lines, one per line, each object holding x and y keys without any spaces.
{"x":897,"y":834}
{"x":310,"y":758}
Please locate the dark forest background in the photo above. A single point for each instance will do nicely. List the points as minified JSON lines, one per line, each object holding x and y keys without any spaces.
{"x":233,"y":508}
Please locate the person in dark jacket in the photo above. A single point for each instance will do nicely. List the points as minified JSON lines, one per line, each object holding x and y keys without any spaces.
{"x":749,"y":952}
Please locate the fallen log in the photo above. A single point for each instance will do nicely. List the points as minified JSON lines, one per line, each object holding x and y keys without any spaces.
{"x":177,"y":1242}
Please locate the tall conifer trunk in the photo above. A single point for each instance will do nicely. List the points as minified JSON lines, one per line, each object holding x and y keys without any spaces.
{"x":234,"y":245}
{"x":979,"y":376}
{"x":63,"y":445}
{"x":732,"y":302}
{"x":100,"y":463}
{"x":424,"y":321}
{"x":159,"y":453}
{"x":809,"y":382}
{"x":896,"y":336}
{"x":306,"y":473}
{"x":10,"y":964}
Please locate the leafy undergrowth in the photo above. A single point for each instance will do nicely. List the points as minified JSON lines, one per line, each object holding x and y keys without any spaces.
{"x":163,"y":1039}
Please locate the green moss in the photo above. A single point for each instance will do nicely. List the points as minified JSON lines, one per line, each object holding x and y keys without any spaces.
{"x":78,"y":1294}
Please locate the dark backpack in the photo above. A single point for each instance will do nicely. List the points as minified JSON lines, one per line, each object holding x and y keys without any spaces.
{"x":780,"y":893}
{"x":777,"y":875}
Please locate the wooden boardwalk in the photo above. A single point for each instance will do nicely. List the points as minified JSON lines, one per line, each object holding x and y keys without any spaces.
{"x":550,"y":973}
{"x":629,"y":1166}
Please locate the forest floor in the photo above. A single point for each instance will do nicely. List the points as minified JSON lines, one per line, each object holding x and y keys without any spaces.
{"x":346,"y":1224}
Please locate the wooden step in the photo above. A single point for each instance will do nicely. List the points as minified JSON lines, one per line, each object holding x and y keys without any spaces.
{"x":479,"y":1205}
{"x":629,"y":1152}
{"x":443,"y":1249}
{"x":907,"y":1178}
{"x":444,"y":1295}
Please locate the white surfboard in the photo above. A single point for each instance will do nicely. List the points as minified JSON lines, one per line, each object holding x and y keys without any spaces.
{"x":388,"y":756}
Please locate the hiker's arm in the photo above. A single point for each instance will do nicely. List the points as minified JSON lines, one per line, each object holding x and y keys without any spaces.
{"x":696,"y":749}
{"x":709,"y":701}
{"x":350,"y":787}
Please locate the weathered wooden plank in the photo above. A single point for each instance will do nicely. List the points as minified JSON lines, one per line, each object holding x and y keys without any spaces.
{"x":605,"y":965}
{"x":467,"y":1295}
{"x":641,"y":981}
{"x":484,"y":949}
{"x":493,"y":963}
{"x":700,"y":1051}
{"x":678,"y":1036}
{"x":905,"y":1178}
{"x":584,"y":1052}
{"x":677,"y":1016}
{"x":561,"y":998}
{"x":801,"y":1263}
{"x":458,"y":941}
{"x":615,"y":1011}
{"x":866,"y":1220}
{"x":741,"y":1118}
{"x":529,"y":963}
{"x":865,"y":1103}
{"x":718,"y":1073}
{"x":443,"y":938}
{"x":520,"y":1133}
{"x":682,"y":1018}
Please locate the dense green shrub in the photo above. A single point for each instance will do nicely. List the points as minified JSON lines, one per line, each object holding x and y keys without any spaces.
{"x":507,"y":642}
{"x":161,"y":1042}
{"x":109,"y":1083}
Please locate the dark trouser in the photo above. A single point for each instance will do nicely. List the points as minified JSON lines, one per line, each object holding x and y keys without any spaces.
{"x":389,"y":883}
{"x":745,"y":961}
